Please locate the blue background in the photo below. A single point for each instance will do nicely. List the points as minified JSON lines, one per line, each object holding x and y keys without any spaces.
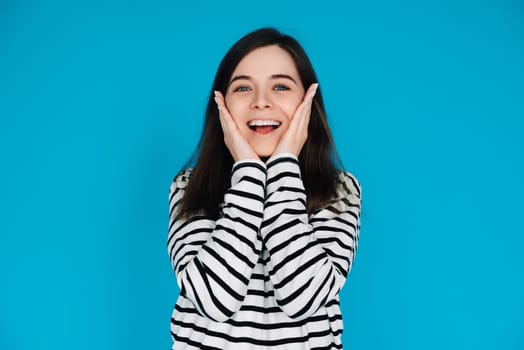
{"x":101,"y":103}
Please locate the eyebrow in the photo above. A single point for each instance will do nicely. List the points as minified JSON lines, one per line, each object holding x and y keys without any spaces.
{"x":274,"y":76}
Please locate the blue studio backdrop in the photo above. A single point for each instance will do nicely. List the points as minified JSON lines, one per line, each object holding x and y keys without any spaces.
{"x":102,"y":102}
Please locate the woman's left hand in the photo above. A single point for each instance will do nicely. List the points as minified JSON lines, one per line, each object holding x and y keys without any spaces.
{"x":296,"y":135}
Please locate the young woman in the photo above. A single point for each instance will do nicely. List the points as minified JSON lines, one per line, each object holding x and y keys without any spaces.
{"x":264,"y":229}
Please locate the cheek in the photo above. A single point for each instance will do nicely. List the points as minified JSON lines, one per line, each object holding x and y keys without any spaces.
{"x":290,"y":107}
{"x":231,"y":107}
{"x":234,"y":107}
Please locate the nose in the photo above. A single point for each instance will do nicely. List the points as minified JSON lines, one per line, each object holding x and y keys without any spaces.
{"x":261,"y":100}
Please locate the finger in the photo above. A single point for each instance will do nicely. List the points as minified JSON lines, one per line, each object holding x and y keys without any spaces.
{"x":235,"y":142}
{"x":225,"y":117}
{"x":308,"y":99}
{"x":303,"y":121}
{"x":304,"y":109}
{"x":221,"y":118}
{"x":311,"y":91}
{"x":219,"y":99}
{"x":304,"y":117}
{"x":310,"y":94}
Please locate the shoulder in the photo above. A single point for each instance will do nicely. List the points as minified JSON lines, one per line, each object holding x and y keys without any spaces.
{"x":181,"y":179}
{"x":348,"y":185}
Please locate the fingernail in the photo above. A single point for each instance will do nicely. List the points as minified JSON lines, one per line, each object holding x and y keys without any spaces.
{"x":315,"y":87}
{"x":216,"y":93}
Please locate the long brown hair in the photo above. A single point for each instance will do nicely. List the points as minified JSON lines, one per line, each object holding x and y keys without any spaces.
{"x":211,"y":176}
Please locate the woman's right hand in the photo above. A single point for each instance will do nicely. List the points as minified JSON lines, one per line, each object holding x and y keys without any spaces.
{"x":235,"y":142}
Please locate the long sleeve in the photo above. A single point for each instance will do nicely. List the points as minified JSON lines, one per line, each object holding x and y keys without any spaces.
{"x":213,"y":260}
{"x":310,"y":257}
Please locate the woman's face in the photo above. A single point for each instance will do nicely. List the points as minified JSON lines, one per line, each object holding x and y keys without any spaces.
{"x":263,"y":94}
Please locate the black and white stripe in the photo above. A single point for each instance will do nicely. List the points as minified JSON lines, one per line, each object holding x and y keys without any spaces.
{"x":264,"y":275}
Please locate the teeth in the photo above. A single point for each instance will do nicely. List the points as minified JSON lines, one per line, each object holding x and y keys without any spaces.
{"x":264,"y":123}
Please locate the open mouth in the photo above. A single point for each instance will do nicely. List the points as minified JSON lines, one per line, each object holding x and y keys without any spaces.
{"x":263,"y":126}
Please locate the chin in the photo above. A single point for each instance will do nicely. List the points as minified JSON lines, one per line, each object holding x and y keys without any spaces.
{"x":265,"y":154}
{"x":263,"y":151}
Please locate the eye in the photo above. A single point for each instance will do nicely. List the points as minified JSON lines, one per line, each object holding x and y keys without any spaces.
{"x":241,"y":88}
{"x":281,"y":87}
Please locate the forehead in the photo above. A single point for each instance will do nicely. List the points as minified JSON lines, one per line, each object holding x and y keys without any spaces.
{"x":266,"y":61}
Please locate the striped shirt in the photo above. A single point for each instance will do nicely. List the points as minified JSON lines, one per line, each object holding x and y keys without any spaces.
{"x":265,"y":275}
